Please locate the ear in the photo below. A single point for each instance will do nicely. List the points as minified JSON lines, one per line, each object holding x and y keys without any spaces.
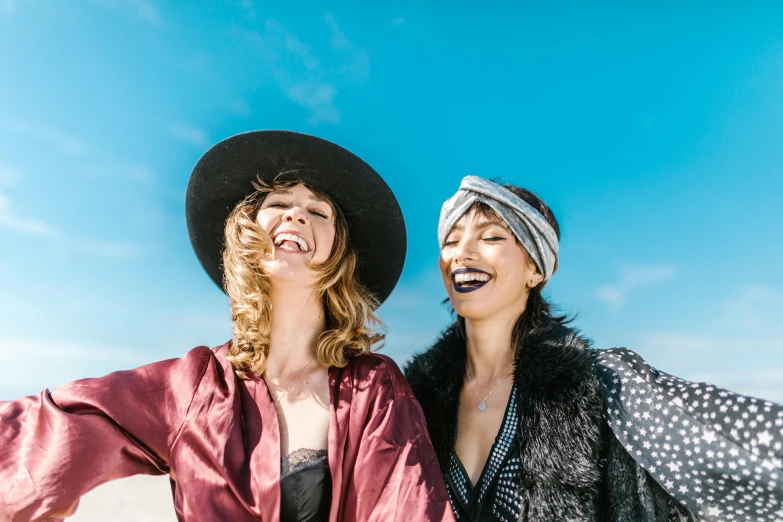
{"x":534,"y":278}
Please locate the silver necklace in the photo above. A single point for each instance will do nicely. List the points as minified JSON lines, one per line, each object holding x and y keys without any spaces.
{"x":285,"y":390}
{"x":482,"y":405}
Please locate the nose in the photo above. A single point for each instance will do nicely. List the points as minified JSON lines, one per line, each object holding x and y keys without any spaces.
{"x":464,"y":251}
{"x":295,"y":214}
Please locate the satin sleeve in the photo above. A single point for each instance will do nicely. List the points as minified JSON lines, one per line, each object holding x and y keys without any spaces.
{"x":718,"y":453}
{"x":397,"y":476}
{"x":56,"y":446}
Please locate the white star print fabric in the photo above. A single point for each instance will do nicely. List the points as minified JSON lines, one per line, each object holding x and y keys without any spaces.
{"x":719,"y":453}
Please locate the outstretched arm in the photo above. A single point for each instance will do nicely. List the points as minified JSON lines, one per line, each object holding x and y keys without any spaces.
{"x":56,"y":446}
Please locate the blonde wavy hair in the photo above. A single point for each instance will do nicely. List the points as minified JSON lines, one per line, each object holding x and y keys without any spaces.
{"x":352,"y":328}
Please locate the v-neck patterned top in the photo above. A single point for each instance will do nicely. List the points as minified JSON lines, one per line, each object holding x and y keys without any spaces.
{"x":493,"y":498}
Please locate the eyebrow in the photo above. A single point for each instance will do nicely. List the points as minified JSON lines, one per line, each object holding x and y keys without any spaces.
{"x":316,"y":197}
{"x":313,"y":197}
{"x":482,"y":225}
{"x":287,"y":192}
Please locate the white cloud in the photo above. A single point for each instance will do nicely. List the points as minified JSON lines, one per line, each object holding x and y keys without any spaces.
{"x":763,"y":383}
{"x":301,"y":75}
{"x":144,"y":9}
{"x":249,"y":8}
{"x":9,"y":175}
{"x":7,"y":7}
{"x":26,"y":225}
{"x":293,"y":45}
{"x":739,"y":350}
{"x":631,"y":278}
{"x":49,"y":364}
{"x":142,"y":174}
{"x":68,"y":144}
{"x":356,"y":61}
{"x":338,"y":40}
{"x":318,"y":97}
{"x":77,"y":353}
{"x":108,"y":249}
{"x":752,"y":307}
{"x":189,"y":134}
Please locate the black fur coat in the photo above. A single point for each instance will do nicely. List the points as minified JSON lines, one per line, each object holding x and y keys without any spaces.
{"x":573,"y":468}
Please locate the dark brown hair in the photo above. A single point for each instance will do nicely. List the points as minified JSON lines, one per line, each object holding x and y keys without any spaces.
{"x":540,"y":315}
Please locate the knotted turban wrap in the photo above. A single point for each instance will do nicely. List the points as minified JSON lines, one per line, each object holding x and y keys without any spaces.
{"x":527,"y":224}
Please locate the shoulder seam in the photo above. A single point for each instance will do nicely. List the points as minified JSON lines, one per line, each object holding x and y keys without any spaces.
{"x":186,"y":415}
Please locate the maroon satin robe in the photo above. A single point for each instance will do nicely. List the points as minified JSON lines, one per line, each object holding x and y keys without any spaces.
{"x":218,"y":438}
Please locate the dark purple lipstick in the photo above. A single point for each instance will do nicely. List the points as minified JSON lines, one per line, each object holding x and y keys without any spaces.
{"x":471,"y":285}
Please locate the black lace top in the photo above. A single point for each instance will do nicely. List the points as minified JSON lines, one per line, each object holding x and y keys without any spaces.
{"x":493,"y":498}
{"x":305,"y":486}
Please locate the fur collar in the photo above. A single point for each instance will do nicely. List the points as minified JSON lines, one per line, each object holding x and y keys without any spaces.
{"x":560,"y":405}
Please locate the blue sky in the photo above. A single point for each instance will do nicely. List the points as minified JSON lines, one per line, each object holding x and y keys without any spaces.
{"x":653,"y":131}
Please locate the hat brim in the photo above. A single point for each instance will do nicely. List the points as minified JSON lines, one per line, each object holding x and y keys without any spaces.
{"x":224,"y":175}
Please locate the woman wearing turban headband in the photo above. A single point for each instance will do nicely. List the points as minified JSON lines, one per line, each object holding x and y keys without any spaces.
{"x":531,"y":423}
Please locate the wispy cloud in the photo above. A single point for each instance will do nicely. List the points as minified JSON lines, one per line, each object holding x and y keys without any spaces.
{"x":752,"y":307}
{"x":68,"y":351}
{"x":703,"y":356}
{"x":249,"y":8}
{"x":7,"y":7}
{"x":301,"y":75}
{"x":50,"y":363}
{"x":17,"y":223}
{"x":738,"y":349}
{"x":68,"y":144}
{"x":144,"y":9}
{"x":9,"y":175}
{"x":189,"y":134}
{"x":108,"y":249}
{"x":632,"y":278}
{"x":356,"y":61}
{"x":338,"y":40}
{"x":316,"y":96}
{"x":35,"y":226}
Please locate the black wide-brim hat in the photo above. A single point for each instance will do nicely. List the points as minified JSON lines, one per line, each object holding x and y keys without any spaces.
{"x":224,"y":175}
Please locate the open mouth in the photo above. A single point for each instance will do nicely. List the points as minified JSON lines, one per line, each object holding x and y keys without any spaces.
{"x":469,"y":279}
{"x":291,"y":242}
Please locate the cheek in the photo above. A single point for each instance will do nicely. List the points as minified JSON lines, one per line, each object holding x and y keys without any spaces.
{"x":324,"y":237}
{"x":510,"y":266}
{"x":444,"y":265}
{"x":266,"y":219}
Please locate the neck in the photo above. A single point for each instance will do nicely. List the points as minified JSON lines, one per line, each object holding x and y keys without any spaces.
{"x":489,"y":351}
{"x":298,"y":320}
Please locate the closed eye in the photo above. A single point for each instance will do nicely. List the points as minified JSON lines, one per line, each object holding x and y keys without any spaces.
{"x":450,"y":243}
{"x":277,"y":204}
{"x":494,"y":239}
{"x":319,"y":213}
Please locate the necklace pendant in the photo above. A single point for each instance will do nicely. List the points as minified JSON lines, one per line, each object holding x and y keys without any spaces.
{"x":482,"y":406}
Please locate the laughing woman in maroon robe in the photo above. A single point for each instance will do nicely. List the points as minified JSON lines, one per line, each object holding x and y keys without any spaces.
{"x":294,"y":419}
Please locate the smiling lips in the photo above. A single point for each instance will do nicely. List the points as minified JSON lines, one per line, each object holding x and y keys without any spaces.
{"x":469,"y":279}
{"x":291,"y":242}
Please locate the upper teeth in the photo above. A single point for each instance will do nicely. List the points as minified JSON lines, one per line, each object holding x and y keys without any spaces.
{"x":292,"y":237}
{"x":470,"y":276}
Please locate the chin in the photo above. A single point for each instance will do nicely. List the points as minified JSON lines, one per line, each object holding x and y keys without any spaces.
{"x":472,"y":311}
{"x":281,"y":270}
